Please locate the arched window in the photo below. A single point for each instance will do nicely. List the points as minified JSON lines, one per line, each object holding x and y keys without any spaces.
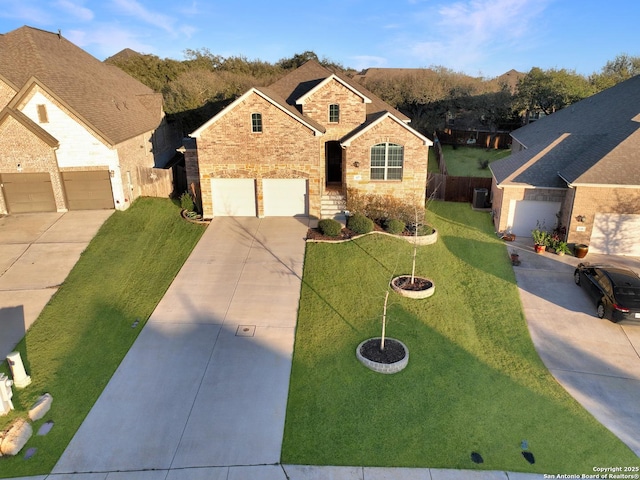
{"x":386,"y":161}
{"x":256,"y":122}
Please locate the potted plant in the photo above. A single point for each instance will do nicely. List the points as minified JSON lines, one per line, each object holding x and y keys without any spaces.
{"x":562,"y":248}
{"x":540,"y":239}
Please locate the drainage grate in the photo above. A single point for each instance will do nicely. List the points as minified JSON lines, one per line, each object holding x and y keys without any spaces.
{"x":246,"y":331}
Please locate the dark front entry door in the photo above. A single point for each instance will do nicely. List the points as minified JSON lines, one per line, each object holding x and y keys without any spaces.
{"x":333,"y":154}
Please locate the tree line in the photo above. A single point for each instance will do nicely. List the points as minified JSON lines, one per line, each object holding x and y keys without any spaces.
{"x":196,"y":88}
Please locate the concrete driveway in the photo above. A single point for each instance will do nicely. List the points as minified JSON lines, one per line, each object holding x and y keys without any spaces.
{"x":205,"y":385}
{"x":595,"y":360}
{"x":37,"y":252}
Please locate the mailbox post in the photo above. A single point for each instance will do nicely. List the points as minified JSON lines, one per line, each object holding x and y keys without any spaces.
{"x":5,"y":394}
{"x":20,"y":377}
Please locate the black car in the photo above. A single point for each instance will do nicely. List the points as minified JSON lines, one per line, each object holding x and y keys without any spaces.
{"x":615,"y":290}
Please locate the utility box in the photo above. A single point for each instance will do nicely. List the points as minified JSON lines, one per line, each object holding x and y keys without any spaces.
{"x":480,"y":197}
{"x":5,"y":394}
{"x":20,"y":377}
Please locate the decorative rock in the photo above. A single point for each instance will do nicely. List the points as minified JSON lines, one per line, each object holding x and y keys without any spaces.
{"x":41,"y":407}
{"x":16,"y":437}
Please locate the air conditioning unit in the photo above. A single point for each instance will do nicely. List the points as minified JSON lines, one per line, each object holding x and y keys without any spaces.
{"x":480,"y":198}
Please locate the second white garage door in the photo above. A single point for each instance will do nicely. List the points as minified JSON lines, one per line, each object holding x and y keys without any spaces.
{"x":233,"y":197}
{"x":616,"y":234}
{"x":285,"y":197}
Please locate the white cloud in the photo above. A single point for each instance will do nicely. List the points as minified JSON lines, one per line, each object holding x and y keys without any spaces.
{"x":142,"y":14}
{"x":360,"y":62}
{"x":25,"y":13}
{"x":76,"y":10}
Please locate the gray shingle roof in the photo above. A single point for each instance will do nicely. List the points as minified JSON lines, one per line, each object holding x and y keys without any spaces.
{"x":601,"y":143}
{"x":115,"y":105}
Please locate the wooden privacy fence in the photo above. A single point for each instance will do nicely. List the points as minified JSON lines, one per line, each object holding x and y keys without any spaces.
{"x":454,"y":189}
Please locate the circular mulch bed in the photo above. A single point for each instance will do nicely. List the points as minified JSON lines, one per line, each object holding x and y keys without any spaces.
{"x":420,"y":288}
{"x":392,"y":359}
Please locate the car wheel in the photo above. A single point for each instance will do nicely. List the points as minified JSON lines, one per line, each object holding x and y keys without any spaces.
{"x":576,"y":277}
{"x":600,"y":311}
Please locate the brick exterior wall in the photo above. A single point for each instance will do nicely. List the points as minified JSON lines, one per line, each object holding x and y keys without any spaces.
{"x":353,"y":110}
{"x":285,"y":149}
{"x":412,"y":187}
{"x":591,"y":200}
{"x":20,"y":146}
{"x":6,"y":94}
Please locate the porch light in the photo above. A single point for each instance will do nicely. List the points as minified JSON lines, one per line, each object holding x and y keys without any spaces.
{"x":356,"y":164}
{"x":581,"y":218}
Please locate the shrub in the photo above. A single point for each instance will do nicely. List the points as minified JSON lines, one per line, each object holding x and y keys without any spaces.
{"x":360,"y":224}
{"x":330,"y":227}
{"x":186,"y":202}
{"x":394,"y":226}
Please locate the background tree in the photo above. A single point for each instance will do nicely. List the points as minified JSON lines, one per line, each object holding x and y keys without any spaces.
{"x":622,"y":68}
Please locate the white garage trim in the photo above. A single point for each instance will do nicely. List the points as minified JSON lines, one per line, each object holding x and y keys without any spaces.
{"x":285,"y":197}
{"x":524,"y":216}
{"x":616,"y":234}
{"x":233,"y":197}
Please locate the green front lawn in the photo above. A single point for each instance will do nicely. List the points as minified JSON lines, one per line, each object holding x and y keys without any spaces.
{"x":474,"y":380}
{"x":464,"y":161}
{"x":83,"y":334}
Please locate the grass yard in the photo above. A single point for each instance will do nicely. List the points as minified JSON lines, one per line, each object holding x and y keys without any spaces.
{"x":82,"y":335}
{"x":463,"y":161}
{"x":474,"y":380}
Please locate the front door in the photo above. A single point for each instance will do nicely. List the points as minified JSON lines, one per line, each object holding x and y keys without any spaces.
{"x":333,"y":155}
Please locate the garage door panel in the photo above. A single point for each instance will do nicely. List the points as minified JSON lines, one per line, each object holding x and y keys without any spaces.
{"x":28,"y":192}
{"x":285,"y":197}
{"x":89,"y":190}
{"x":233,"y":197}
{"x":524,"y":216}
{"x":616,"y":234}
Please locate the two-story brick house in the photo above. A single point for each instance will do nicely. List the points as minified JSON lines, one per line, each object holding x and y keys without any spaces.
{"x":277,"y":150}
{"x":75,"y":133}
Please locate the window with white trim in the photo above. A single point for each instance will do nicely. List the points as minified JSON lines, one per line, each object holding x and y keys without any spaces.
{"x":334,"y":113}
{"x":387,"y":161}
{"x":256,"y":122}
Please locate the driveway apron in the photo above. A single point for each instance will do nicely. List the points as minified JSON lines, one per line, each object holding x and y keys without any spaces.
{"x":37,"y":252}
{"x":595,"y":360}
{"x":206,"y":382}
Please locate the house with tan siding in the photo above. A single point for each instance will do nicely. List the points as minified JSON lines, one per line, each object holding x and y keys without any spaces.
{"x":75,"y":133}
{"x":577,"y":171}
{"x":298,"y":146}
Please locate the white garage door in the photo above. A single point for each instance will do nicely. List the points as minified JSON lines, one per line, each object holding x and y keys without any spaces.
{"x":616,"y":234}
{"x":233,"y":197}
{"x":284,"y":197}
{"x":524,"y":216}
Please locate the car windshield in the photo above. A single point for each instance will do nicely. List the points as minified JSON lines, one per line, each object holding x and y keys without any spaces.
{"x":628,"y":296}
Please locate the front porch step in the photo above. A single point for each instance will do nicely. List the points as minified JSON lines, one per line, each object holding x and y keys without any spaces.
{"x":332,"y":205}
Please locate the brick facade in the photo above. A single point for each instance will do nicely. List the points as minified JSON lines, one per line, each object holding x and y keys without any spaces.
{"x":294,"y":145}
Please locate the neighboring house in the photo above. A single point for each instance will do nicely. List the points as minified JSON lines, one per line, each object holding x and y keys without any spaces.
{"x":283,"y":150}
{"x":75,"y":133}
{"x":577,"y":170}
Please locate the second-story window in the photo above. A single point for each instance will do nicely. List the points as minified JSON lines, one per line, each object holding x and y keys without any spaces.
{"x":256,"y":122}
{"x":334,"y":113}
{"x":42,"y":114}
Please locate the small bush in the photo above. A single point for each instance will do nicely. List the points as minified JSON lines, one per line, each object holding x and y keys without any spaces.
{"x":186,"y":202}
{"x":330,"y":227}
{"x":360,"y":224}
{"x":394,"y":226}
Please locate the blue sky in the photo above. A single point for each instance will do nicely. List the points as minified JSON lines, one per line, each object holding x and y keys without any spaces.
{"x":479,"y":37}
